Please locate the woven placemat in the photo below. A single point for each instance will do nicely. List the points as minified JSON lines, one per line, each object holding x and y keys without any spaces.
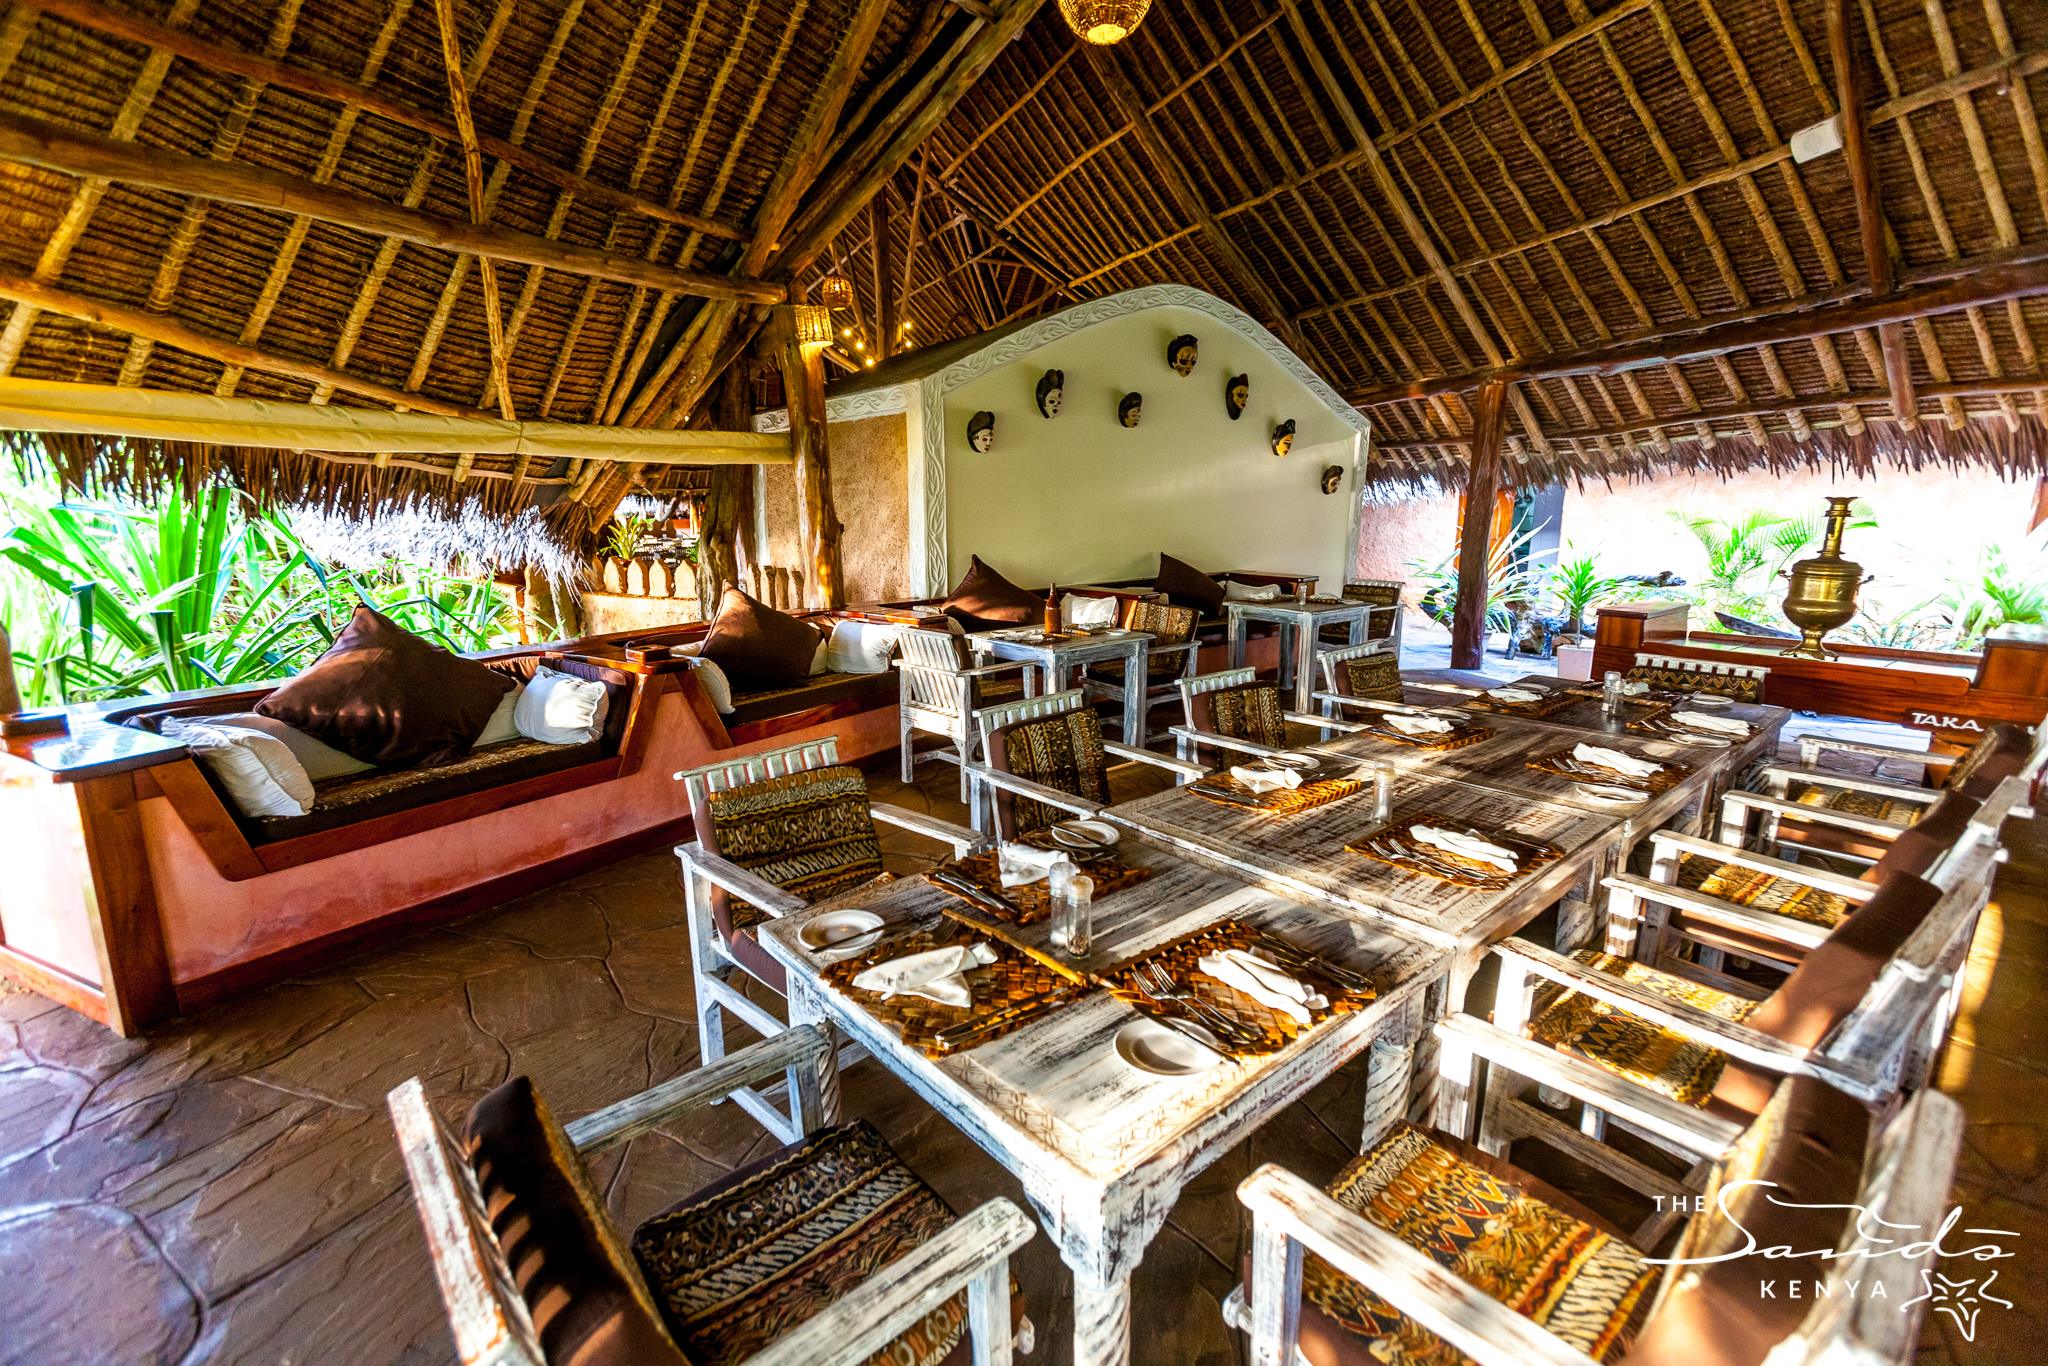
{"x":1274,"y":1030}
{"x":1659,"y":725}
{"x":1548,"y":706}
{"x":1007,"y":994}
{"x":1225,"y":790}
{"x":1559,"y":764}
{"x":1392,"y":845}
{"x":1458,"y":738}
{"x":1033,"y":900}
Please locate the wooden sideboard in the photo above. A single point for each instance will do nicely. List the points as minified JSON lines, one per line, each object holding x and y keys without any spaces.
{"x":1954,"y":696}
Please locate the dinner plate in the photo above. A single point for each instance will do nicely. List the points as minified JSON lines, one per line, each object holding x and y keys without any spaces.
{"x":1601,"y":792}
{"x":840,"y":930}
{"x":1149,"y":1046}
{"x":1085,"y":834}
{"x":1708,"y":699}
{"x":1295,"y":759}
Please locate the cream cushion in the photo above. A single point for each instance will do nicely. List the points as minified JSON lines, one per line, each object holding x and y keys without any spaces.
{"x":710,"y":677}
{"x":561,"y":709}
{"x":260,"y":774}
{"x":320,"y":759}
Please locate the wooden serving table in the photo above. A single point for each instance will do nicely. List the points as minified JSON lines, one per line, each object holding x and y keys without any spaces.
{"x":1954,"y":696}
{"x":1101,"y":1149}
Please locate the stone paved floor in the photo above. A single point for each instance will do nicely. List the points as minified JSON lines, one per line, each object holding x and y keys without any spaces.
{"x":229,"y":1189}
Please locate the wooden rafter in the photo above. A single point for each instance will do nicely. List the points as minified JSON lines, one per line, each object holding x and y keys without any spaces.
{"x":473,"y":177}
{"x":1871,"y":229}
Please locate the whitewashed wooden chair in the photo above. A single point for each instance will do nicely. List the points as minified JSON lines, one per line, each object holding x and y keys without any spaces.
{"x":1169,"y":658}
{"x":1739,"y":682}
{"x":941,"y":688}
{"x":1059,"y":763}
{"x":756,"y":859}
{"x":1317,"y":1256}
{"x":494,"y":1323}
{"x":1624,"y":1041}
{"x":1361,"y":677}
{"x":1236,"y":712}
{"x":1383,"y":622}
{"x":1855,"y":817}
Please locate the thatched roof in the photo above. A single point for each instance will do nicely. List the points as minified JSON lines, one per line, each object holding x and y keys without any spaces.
{"x":1423,"y":188}
{"x":1417,"y":194}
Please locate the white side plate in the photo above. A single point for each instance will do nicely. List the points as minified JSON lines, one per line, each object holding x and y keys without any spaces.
{"x":1150,"y":1046}
{"x":1085,"y":834}
{"x":840,"y":931}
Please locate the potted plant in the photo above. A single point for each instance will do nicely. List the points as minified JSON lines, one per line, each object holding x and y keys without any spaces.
{"x":1577,"y":584}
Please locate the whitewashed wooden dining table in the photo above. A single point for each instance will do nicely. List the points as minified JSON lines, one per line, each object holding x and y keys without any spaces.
{"x":1101,"y":1149}
{"x":1053,"y":661}
{"x":1305,"y":852}
{"x":1301,"y":626}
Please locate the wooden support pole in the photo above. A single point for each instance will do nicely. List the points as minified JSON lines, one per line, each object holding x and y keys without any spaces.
{"x":473,"y":174}
{"x":803,"y":388}
{"x":1870,"y":224}
{"x":1468,"y":622}
{"x":53,"y":147}
{"x":1747,"y":329}
{"x":884,"y":343}
{"x":262,"y":71}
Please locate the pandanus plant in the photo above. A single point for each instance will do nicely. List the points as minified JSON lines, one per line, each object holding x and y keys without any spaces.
{"x":1577,"y":584}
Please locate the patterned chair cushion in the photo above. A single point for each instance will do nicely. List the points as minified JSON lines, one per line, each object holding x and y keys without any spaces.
{"x":1734,"y":687}
{"x":1647,"y":1054}
{"x":1379,"y":625}
{"x":1250,"y":711}
{"x":1762,"y":891}
{"x":1375,"y":676}
{"x":808,"y":833}
{"x":1170,"y":625}
{"x":1061,"y":752}
{"x":740,"y":1264}
{"x":1492,"y":1228}
{"x":1874,"y":806}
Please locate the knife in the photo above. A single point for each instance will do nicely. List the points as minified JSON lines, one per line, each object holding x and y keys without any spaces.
{"x":1225,"y":795}
{"x":975,"y":892}
{"x":970,"y":1032}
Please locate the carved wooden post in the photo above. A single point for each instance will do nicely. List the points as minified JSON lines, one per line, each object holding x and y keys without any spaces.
{"x":803,"y":387}
{"x":724,"y":514}
{"x":1468,"y":623}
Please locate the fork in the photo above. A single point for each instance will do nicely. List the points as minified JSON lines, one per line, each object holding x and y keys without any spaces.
{"x":1157,"y":985}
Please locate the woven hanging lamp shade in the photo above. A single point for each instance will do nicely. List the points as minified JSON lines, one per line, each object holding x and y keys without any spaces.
{"x":1103,"y":22}
{"x":835,"y":291}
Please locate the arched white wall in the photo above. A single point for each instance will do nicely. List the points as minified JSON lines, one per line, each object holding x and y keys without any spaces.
{"x":1079,"y":497}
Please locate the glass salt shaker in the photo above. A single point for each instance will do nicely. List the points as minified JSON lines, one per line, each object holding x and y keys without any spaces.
{"x":1610,"y":695}
{"x":1074,"y":916}
{"x":1059,"y":876}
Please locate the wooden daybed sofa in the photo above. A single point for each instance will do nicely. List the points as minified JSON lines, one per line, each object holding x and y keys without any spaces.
{"x":135,"y":891}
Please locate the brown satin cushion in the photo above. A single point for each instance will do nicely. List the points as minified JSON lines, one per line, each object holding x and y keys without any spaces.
{"x":1810,"y":1140}
{"x":757,"y":646}
{"x":1829,"y":983}
{"x":384,"y":696}
{"x":1187,"y":586}
{"x":588,"y":1301}
{"x":984,"y":599}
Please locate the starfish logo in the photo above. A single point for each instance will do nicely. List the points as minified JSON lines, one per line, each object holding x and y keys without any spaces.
{"x":1961,"y":1299}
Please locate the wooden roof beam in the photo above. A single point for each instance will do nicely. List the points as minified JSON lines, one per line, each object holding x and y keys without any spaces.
{"x":1718,"y":335}
{"x":136,"y":28}
{"x":34,"y":142}
{"x":1870,"y":224}
{"x":473,"y":175}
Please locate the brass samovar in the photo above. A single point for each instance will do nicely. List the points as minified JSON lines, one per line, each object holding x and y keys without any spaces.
{"x":1823,"y":587}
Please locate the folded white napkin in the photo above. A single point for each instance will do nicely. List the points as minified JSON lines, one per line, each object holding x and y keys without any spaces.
{"x":1616,"y":760}
{"x":1415,"y":723}
{"x":1265,"y":779}
{"x":1019,"y":864}
{"x":934,"y":974}
{"x":1703,"y":720}
{"x":1466,"y":846}
{"x":1264,"y":982}
{"x":1514,"y":694}
{"x":1633,"y":687}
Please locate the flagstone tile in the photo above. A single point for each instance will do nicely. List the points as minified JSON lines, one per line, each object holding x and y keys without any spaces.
{"x":132,"y":1306}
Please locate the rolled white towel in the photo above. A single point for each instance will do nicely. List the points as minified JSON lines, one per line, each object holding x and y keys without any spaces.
{"x":1614,"y":759}
{"x":1257,"y":778}
{"x":1703,"y":720}
{"x":1264,"y":982}
{"x":1467,"y":846}
{"x":1415,"y":723}
{"x":934,"y":974}
{"x":1020,"y":864}
{"x":1514,"y":694}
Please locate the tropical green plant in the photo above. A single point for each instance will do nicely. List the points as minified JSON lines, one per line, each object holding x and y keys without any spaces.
{"x":1513,"y":574}
{"x":105,"y":600}
{"x":625,"y":533}
{"x":1577,"y":584}
{"x":2006,"y":586}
